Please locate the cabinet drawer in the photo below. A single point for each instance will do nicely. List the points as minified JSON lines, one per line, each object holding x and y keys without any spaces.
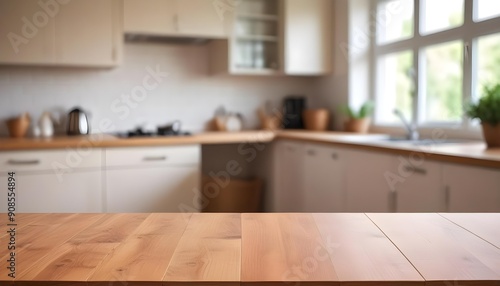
{"x":153,"y":156}
{"x":50,"y":160}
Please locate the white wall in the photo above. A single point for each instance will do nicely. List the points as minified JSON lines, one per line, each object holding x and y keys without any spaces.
{"x":189,"y":93}
{"x":334,"y":89}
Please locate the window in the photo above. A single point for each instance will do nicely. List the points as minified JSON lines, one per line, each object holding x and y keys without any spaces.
{"x":396,"y":20}
{"x":396,"y":86}
{"x":431,"y":66}
{"x":439,"y":15}
{"x":488,"y":62}
{"x":486,"y":9}
{"x":443,"y":82}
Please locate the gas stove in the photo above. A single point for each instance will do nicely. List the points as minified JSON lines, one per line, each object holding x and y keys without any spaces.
{"x":139,"y":132}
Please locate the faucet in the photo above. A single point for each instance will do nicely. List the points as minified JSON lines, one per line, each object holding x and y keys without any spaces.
{"x":412,"y":134}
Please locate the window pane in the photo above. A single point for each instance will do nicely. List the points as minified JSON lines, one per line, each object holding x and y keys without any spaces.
{"x":488,"y":65}
{"x":487,"y":9}
{"x":395,"y":87}
{"x":443,"y":83}
{"x":395,"y":20}
{"x":439,"y":15}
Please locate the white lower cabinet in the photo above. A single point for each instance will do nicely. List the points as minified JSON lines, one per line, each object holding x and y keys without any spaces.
{"x":289,"y":177}
{"x":68,"y":181}
{"x":366,"y":187}
{"x":471,"y":189}
{"x":159,"y":189}
{"x":323,"y":181}
{"x":154,"y":179}
{"x":76,"y":192}
{"x":417,"y":185}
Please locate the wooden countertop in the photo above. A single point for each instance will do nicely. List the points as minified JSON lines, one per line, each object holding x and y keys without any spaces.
{"x":254,"y":249}
{"x":470,"y":153}
{"x":110,"y":141}
{"x":474,"y":153}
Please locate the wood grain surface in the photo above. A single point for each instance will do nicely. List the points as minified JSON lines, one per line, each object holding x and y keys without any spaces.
{"x":254,"y":249}
{"x":282,"y":247}
{"x":360,"y":251}
{"x":146,"y":253}
{"x":442,"y":251}
{"x":210,"y":251}
{"x":485,"y":226}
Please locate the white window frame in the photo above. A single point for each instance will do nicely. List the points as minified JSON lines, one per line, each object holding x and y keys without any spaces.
{"x":468,"y":33}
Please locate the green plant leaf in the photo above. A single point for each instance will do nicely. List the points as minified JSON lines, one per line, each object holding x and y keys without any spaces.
{"x":366,"y":110}
{"x":487,"y":109}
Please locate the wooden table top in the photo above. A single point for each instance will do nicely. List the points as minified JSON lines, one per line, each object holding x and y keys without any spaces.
{"x":253,"y":249}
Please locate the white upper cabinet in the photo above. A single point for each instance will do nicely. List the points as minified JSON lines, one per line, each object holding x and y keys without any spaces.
{"x":26,"y":33}
{"x":277,"y":37}
{"x":308,"y":37}
{"x":61,"y":32}
{"x":179,"y":18}
{"x":201,"y":18}
{"x":150,"y":17}
{"x":89,"y":33}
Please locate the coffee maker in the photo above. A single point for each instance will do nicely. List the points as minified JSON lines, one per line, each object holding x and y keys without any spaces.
{"x":293,"y":107}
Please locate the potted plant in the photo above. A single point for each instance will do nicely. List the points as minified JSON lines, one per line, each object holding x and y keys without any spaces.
{"x":359,"y":121}
{"x":487,"y":109}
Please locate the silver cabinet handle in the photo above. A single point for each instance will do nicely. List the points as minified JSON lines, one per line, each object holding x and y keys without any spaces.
{"x":23,"y":162}
{"x":416,"y":170}
{"x":151,"y":159}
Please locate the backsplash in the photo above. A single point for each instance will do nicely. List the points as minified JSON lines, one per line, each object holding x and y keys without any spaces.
{"x":156,"y":84}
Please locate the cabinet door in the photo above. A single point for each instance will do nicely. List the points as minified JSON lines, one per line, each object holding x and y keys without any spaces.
{"x":289,"y":173}
{"x":323,"y":188}
{"x":418,"y":188}
{"x":366,"y":186}
{"x":162,"y":189}
{"x":200,"y":18}
{"x":89,"y":33}
{"x":77,"y":192}
{"x":150,"y":17}
{"x":27,"y":33}
{"x":308,"y":37}
{"x":472,"y":189}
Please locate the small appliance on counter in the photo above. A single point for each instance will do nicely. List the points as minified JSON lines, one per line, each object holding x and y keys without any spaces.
{"x":78,"y":123}
{"x":293,"y":108}
{"x":228,"y":121}
{"x":45,"y":127}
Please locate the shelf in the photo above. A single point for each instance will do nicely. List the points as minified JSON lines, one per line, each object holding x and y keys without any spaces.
{"x":262,"y":38}
{"x":263,"y":17}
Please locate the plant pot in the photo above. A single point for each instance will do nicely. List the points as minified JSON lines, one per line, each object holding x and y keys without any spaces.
{"x":316,"y":119}
{"x":491,"y":135}
{"x":357,"y":125}
{"x":18,"y":127}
